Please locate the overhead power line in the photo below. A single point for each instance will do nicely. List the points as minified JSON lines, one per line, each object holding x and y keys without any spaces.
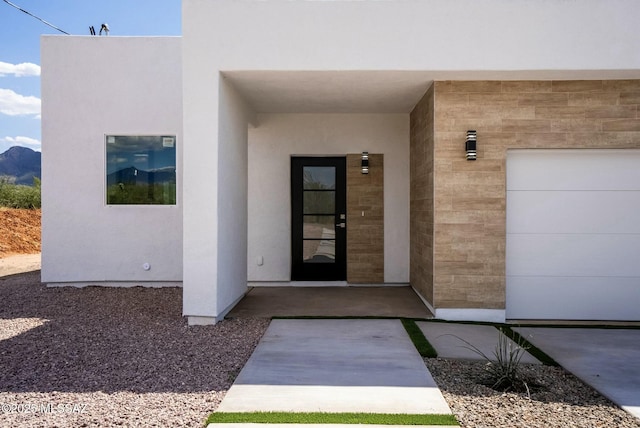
{"x":33,"y":16}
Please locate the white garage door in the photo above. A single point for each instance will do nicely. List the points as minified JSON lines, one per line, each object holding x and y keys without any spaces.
{"x":573,"y":234}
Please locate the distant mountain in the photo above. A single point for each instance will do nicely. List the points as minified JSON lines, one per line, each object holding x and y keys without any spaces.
{"x":133,"y":175}
{"x":21,"y":163}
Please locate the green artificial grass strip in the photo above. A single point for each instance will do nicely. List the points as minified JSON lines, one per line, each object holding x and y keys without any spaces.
{"x":530,"y":347}
{"x":331,"y":418}
{"x":417,"y":337}
{"x":331,"y":317}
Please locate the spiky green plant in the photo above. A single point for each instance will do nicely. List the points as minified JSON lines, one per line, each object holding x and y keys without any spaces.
{"x":504,"y":368}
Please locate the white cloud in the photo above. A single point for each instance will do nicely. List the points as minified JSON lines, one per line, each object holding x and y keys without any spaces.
{"x":13,"y":104}
{"x":19,"y":70}
{"x":31,"y":143}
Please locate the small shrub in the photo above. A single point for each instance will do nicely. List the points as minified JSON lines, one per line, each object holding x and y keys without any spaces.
{"x":18,"y":195}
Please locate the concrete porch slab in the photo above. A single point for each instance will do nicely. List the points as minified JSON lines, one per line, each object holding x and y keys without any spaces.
{"x":335,"y":366}
{"x":388,"y":301}
{"x":445,"y":338}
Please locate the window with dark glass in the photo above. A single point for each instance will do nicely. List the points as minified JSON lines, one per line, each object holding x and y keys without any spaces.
{"x":141,"y":170}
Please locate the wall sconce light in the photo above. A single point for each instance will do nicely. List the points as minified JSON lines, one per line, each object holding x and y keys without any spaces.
{"x":365,"y":162}
{"x":470,"y":145}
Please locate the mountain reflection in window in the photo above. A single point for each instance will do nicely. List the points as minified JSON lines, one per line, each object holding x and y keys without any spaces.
{"x":141,"y":170}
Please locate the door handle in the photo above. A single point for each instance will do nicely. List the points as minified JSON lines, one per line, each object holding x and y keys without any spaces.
{"x":342,"y":225}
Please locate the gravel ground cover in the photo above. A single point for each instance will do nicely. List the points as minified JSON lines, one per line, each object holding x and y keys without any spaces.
{"x":125,"y":357}
{"x":557,"y":399}
{"x":112,"y":357}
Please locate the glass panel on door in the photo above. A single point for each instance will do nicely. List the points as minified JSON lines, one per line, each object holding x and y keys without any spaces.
{"x":318,"y":209}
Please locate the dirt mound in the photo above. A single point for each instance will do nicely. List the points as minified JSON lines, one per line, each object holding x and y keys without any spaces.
{"x":19,"y":231}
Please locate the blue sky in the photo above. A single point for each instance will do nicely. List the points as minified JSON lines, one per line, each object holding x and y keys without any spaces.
{"x":20,"y":49}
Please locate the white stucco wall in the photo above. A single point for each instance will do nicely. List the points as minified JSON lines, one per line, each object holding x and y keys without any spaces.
{"x":232,"y":197}
{"x":93,"y":86}
{"x":215,"y":217}
{"x":279,"y":136}
{"x":200,"y":192}
{"x":449,"y":35}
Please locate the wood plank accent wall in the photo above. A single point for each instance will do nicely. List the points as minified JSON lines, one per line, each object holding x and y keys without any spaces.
{"x":421,"y":196}
{"x":365,"y":234}
{"x":469,"y":217}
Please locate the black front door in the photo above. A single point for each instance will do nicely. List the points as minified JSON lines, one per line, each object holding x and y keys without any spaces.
{"x":318,"y":219}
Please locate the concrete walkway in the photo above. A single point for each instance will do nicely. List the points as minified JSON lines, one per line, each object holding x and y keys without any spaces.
{"x":359,"y":365}
{"x":448,"y":339}
{"x":606,"y":359}
{"x":337,"y":366}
